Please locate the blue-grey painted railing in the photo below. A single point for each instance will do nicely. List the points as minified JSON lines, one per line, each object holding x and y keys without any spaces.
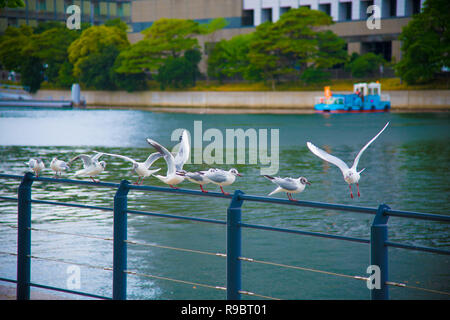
{"x":378,"y":239}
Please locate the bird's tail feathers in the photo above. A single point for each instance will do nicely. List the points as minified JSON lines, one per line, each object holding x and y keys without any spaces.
{"x":269,"y":177}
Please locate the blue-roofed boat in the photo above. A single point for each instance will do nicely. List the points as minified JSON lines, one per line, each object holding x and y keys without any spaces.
{"x":366,"y":97}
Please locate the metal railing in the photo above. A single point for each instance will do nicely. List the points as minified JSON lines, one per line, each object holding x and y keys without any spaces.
{"x":378,"y":241}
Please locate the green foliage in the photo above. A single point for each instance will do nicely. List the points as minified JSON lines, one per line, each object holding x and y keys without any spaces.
{"x":12,"y":3}
{"x":363,"y":65}
{"x":32,"y":73}
{"x":96,"y":70}
{"x":290,"y":44}
{"x":315,"y":76}
{"x":12,"y":43}
{"x":331,"y":50}
{"x":117,"y":22}
{"x":65,"y":75}
{"x":92,"y":41}
{"x":229,"y":58}
{"x":179,"y":72}
{"x":426,"y":43}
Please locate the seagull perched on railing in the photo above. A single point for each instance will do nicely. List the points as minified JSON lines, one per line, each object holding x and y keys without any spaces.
{"x":222,"y":177}
{"x":58,"y":166}
{"x":141,"y":168}
{"x":174,"y":164}
{"x":197,"y":177}
{"x":288,"y":185}
{"x":351,"y":175}
{"x":92,"y":167}
{"x":36,"y":165}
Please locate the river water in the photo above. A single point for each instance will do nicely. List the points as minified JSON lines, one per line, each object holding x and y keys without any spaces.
{"x":406,"y":168}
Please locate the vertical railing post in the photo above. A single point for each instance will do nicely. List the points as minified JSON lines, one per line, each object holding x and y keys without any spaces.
{"x":234,"y":278}
{"x":379,"y":252}
{"x":24,"y":238}
{"x":120,"y":246}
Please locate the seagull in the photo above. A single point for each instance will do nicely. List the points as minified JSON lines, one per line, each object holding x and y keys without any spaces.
{"x":58,"y":166}
{"x":289,"y":185}
{"x":174,"y":163}
{"x":351,"y":175}
{"x":92,"y":167}
{"x":197,"y":177}
{"x":141,"y":168}
{"x":222,"y":177}
{"x":36,"y":165}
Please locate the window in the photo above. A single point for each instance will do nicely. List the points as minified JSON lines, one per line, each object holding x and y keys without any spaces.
{"x":284,"y":10}
{"x":345,"y":11}
{"x":266,"y":15}
{"x":247,"y":18}
{"x":326,"y":7}
{"x":120,"y":9}
{"x":41,"y":5}
{"x":393,"y":8}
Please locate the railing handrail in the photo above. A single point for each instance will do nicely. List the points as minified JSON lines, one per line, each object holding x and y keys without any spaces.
{"x":247,"y":197}
{"x":378,"y":240}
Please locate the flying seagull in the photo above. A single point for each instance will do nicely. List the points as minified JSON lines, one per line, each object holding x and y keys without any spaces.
{"x":351,"y":175}
{"x":92,"y":167}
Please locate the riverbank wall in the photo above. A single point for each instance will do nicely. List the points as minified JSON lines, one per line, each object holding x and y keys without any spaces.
{"x":255,"y":101}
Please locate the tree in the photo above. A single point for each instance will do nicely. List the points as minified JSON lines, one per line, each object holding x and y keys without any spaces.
{"x":364,"y":65}
{"x":288,"y":45}
{"x":426,"y":43}
{"x":12,"y":43}
{"x":11,"y":3}
{"x":50,"y":45}
{"x":32,"y":73}
{"x":166,"y":38}
{"x":179,"y":72}
{"x":93,"y":40}
{"x":96,"y":70}
{"x":229,"y":58}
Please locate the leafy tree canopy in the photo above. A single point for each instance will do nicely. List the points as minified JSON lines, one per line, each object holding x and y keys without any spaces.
{"x":11,"y":3}
{"x":426,"y":43}
{"x":93,"y":40}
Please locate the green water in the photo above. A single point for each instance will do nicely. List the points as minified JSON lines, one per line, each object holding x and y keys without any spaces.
{"x":406,"y":168}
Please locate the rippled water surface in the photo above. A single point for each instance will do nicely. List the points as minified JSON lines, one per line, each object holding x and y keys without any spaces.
{"x":406,"y":168}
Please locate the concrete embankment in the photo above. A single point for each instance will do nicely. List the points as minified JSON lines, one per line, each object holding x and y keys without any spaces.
{"x":242,"y":101}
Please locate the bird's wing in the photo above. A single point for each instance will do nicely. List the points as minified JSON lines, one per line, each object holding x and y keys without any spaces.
{"x":328,"y":157}
{"x":183,"y":152}
{"x":119,"y":156}
{"x":355,"y":163}
{"x":166,"y":154}
{"x":216,"y":176}
{"x":97,"y":156}
{"x":195,"y":176}
{"x":152,"y":158}
{"x":286,"y":183}
{"x":87,"y":160}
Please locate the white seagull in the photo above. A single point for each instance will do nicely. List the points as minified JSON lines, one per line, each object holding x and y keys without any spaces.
{"x":351,"y":175}
{"x":288,"y":185}
{"x":58,"y":166}
{"x":222,"y":177}
{"x":174,"y":164}
{"x":92,"y":167}
{"x":141,"y":168}
{"x":197,"y":177}
{"x":36,"y":165}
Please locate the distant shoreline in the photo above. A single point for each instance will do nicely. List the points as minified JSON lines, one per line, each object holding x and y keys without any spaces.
{"x":274,"y":102}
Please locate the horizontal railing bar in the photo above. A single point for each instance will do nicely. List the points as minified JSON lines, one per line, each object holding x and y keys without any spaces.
{"x":181,"y":191}
{"x":8,"y":280}
{"x":306,"y":233}
{"x":416,"y":248}
{"x":8,"y":198}
{"x":69,"y":291}
{"x":311,"y":204}
{"x":172,"y":216}
{"x":67,"y":204}
{"x":60,"y":180}
{"x":417,"y":215}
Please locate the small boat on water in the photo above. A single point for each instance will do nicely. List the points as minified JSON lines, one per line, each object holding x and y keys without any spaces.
{"x":366,"y":97}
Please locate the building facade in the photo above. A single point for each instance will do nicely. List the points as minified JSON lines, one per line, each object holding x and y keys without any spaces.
{"x":350,"y":17}
{"x":93,"y":11}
